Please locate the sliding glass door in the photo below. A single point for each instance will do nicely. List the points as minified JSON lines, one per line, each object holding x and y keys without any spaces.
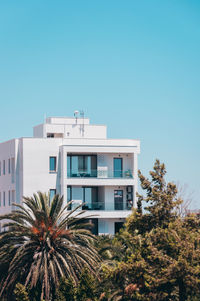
{"x":82,"y":166}
{"x":118,"y":198}
{"x":88,"y":196}
{"x":118,"y":168}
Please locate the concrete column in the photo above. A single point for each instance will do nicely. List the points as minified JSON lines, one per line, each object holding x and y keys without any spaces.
{"x":63,"y":174}
{"x":135,"y":175}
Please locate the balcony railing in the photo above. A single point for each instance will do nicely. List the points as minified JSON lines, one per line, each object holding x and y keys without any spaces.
{"x":108,"y":206}
{"x":100,"y":173}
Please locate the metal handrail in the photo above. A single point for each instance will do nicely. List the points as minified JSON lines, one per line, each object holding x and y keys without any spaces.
{"x":108,"y":206}
{"x":98,"y":173}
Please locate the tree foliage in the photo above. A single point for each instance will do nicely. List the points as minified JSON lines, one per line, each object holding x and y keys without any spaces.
{"x":86,"y":289}
{"x":156,"y":256}
{"x":66,"y":290}
{"x":43,"y":243}
{"x":162,"y":250}
{"x":21,"y":293}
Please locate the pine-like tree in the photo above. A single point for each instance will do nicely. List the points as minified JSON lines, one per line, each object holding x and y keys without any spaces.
{"x":66,"y":290}
{"x":160,"y":201}
{"x":86,"y":289}
{"x":162,"y":255}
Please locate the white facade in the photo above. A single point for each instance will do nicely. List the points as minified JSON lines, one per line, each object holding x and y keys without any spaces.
{"x":71,"y":157}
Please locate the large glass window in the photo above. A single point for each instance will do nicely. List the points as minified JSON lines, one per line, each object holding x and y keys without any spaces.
{"x":52,"y":164}
{"x":91,"y":198}
{"x":77,"y":193}
{"x":118,"y":168}
{"x":82,"y":166}
{"x":52,"y":193}
{"x":86,"y":195}
{"x":118,"y":196}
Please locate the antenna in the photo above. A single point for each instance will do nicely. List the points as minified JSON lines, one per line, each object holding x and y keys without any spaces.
{"x":76,"y":113}
{"x":82,"y":126}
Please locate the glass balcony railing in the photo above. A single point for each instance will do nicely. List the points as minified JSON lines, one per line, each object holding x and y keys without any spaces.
{"x":100,"y":173}
{"x":109,"y":206}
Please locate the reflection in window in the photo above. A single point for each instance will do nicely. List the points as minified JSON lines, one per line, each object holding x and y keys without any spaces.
{"x":82,"y":166}
{"x":86,"y":195}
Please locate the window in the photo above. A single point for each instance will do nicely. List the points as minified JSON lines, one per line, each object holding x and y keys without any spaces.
{"x":50,"y":135}
{"x":82,"y":166}
{"x":95,"y":226}
{"x":52,"y":164}
{"x":9,"y":168}
{"x":4,"y":167}
{"x":52,"y":193}
{"x":4,"y":198}
{"x":69,"y":196}
{"x":86,"y":195}
{"x":9,"y":197}
{"x":91,"y":199}
{"x":13,"y":196}
{"x":118,"y":226}
{"x":13,"y":170}
{"x":118,"y":168}
{"x":118,"y":199}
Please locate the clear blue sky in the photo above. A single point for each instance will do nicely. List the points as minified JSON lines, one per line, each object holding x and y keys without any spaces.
{"x":133,"y":65}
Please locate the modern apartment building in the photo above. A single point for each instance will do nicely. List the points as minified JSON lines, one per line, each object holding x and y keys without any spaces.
{"x":74,"y":158}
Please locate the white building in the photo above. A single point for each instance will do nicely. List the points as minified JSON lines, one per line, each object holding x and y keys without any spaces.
{"x":71,"y":157}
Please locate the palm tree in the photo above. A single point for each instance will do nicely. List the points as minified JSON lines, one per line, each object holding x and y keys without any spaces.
{"x":43,"y":243}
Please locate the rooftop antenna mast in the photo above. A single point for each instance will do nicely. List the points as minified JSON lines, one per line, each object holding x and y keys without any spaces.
{"x":82,"y":125}
{"x":76,"y":113}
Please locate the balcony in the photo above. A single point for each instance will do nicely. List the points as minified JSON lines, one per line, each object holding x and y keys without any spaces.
{"x":111,"y":206}
{"x":101,"y":173}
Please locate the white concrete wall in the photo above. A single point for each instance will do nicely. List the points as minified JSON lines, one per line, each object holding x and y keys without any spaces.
{"x":107,"y":226}
{"x":67,"y":120}
{"x":38,"y":131}
{"x":36,"y":175}
{"x":70,"y":128}
{"x":7,"y":180}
